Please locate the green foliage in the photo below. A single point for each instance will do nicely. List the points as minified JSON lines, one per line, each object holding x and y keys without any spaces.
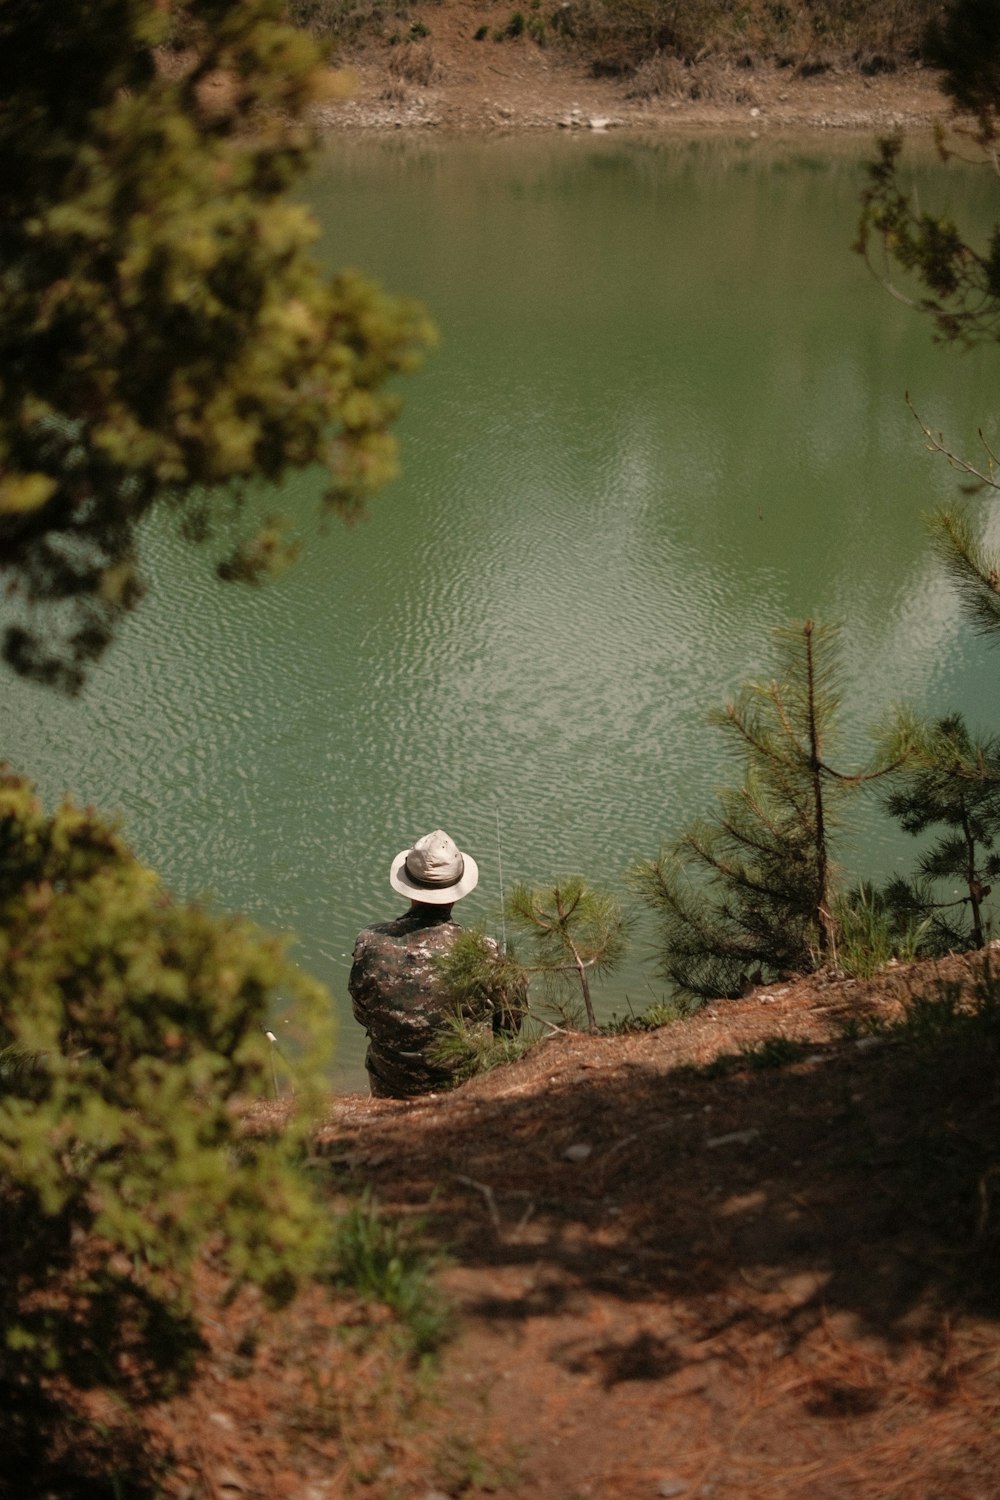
{"x":866,"y":939}
{"x":480,"y":978}
{"x":949,"y":779}
{"x":466,"y":1050}
{"x":573,"y":929}
{"x":381,"y":1259}
{"x":962,"y":285}
{"x":749,"y":897}
{"x":165,"y":330}
{"x":130,"y":1026}
{"x":971,"y":568}
{"x":876,"y":926}
{"x":651,"y":1019}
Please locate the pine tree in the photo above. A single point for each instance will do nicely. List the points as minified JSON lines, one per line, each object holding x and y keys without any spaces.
{"x":958,"y":282}
{"x":961,"y":284}
{"x":951,"y":779}
{"x":573,"y":932}
{"x":749,"y":895}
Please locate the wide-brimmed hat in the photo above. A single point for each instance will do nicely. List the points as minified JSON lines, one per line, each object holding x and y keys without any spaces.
{"x":434,"y":870}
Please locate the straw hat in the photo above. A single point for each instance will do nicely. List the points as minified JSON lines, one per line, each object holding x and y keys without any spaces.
{"x":434,"y":871}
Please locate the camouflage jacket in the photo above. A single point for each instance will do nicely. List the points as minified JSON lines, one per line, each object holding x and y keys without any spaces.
{"x":397,"y":998}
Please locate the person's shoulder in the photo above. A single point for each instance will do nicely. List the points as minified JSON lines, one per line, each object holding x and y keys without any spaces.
{"x":384,"y":929}
{"x":410,"y":926}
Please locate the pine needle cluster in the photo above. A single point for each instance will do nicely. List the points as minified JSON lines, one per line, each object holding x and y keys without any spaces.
{"x":949,"y":779}
{"x":572,"y":932}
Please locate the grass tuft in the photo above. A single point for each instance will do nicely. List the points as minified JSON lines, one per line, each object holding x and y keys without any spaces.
{"x":382,"y":1260}
{"x":662,"y":1013}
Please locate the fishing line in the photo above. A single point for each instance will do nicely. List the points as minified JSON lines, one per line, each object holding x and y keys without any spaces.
{"x":503,"y":903}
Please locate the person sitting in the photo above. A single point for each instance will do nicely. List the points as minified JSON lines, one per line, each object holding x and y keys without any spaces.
{"x":395,"y":988}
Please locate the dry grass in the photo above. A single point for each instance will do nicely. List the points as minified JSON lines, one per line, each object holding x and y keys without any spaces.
{"x":618,"y":36}
{"x":665,"y":77}
{"x":414,"y":63}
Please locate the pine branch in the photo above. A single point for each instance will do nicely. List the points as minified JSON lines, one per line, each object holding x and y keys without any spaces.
{"x":972,"y":571}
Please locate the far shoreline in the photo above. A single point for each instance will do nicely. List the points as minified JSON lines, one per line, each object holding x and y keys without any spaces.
{"x":482,"y":98}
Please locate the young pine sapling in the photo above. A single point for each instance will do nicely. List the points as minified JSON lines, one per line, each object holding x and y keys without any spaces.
{"x":949,"y":779}
{"x":749,"y":896}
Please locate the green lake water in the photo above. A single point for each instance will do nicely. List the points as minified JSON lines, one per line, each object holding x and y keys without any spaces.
{"x":665,"y":415}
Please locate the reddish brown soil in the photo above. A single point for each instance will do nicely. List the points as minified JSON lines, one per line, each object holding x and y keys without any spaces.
{"x":448,"y":81}
{"x":752,"y":1283}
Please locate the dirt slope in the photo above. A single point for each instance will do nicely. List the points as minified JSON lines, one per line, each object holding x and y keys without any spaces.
{"x":447,"y":80}
{"x":756,"y":1283}
{"x":771,"y":1278}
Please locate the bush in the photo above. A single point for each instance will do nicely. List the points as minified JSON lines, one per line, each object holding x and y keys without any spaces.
{"x":875,"y":927}
{"x":344,"y":20}
{"x":713,"y":82}
{"x":466,"y":1050}
{"x":618,"y":35}
{"x":130,"y":1028}
{"x":660,"y":1013}
{"x":415,"y":64}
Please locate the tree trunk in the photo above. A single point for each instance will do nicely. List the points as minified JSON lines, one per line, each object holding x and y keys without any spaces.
{"x":581,"y":970}
{"x":824,"y":917}
{"x":972,"y":881}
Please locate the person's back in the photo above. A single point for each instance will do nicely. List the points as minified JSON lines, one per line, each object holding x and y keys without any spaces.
{"x":394,"y":985}
{"x":397,"y":998}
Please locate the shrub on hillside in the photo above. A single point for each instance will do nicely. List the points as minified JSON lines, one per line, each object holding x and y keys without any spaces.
{"x":130,"y":1026}
{"x":618,"y":35}
{"x":345,"y":20}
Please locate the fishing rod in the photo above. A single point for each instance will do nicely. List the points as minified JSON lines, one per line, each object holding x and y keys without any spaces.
{"x":503,"y":903}
{"x":272,"y":1049}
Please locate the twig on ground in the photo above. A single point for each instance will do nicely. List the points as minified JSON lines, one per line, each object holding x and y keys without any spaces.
{"x":625,"y":1140}
{"x":491,"y":1202}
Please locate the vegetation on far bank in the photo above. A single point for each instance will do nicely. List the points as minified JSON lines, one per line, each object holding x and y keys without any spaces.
{"x":657,"y":39}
